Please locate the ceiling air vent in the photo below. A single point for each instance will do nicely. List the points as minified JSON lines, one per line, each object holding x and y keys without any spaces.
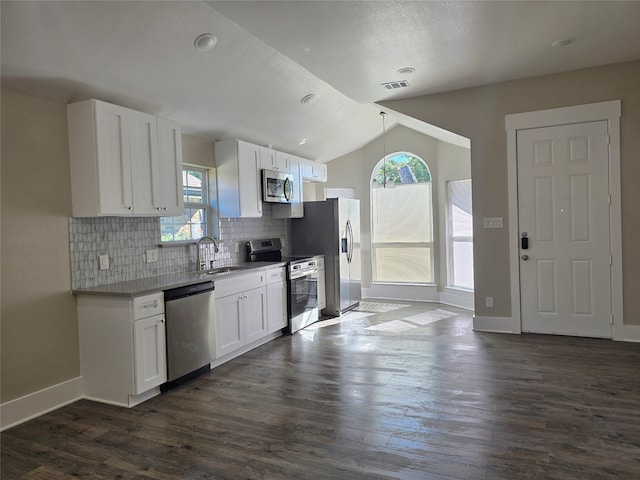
{"x":394,"y":85}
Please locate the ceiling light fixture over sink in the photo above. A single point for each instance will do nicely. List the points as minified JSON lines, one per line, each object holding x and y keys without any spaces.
{"x":205,"y":42}
{"x":308,"y":98}
{"x":563,"y":42}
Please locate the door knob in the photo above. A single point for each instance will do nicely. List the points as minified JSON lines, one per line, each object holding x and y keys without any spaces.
{"x":525,"y":257}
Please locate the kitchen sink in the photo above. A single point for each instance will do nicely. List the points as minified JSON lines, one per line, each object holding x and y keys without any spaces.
{"x":220,"y":270}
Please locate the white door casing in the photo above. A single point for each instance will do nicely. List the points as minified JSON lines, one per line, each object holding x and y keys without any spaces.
{"x":609,"y":111}
{"x":563,"y":214}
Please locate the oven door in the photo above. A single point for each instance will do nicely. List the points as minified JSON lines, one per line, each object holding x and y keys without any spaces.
{"x":303,"y":300}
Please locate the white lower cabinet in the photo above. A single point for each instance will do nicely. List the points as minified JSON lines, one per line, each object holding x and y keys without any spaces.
{"x":241,"y":312}
{"x":149,"y":361}
{"x":122,"y":347}
{"x":276,"y":299}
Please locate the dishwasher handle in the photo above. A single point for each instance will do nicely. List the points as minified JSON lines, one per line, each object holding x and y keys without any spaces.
{"x":188,"y":290}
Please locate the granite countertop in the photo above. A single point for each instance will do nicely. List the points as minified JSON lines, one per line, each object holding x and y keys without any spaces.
{"x":143,"y":286}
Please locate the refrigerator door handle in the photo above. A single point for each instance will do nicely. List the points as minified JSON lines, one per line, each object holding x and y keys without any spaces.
{"x":350,"y":241}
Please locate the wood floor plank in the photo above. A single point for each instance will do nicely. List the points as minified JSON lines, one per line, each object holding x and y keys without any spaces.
{"x":338,"y":401}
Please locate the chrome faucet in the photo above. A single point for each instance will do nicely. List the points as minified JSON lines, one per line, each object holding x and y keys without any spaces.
{"x":200,"y":264}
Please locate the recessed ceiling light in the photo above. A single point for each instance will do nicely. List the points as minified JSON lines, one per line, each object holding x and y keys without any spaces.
{"x":308,"y":98}
{"x":205,"y":42}
{"x":563,"y":42}
{"x":303,"y":141}
{"x":406,"y":71}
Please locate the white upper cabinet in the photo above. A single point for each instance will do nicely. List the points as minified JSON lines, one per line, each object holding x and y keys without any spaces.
{"x":271,"y":159}
{"x":313,"y":171}
{"x":238,"y":177}
{"x":169,"y":198}
{"x":122,"y":163}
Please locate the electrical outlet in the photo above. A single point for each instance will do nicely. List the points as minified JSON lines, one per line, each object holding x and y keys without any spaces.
{"x":237,"y":247}
{"x":152,"y":255}
{"x":104,"y":262}
{"x":489,"y":302}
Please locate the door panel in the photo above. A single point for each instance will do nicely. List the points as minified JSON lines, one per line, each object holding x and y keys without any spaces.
{"x":563,"y":198}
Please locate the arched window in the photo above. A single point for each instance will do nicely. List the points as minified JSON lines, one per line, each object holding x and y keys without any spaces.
{"x":402,"y":220}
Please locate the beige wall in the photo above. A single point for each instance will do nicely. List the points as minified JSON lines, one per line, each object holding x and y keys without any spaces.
{"x":478,"y":114}
{"x":39,"y":324}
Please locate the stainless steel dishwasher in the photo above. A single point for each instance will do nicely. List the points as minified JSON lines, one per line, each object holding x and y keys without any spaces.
{"x":190,"y":323}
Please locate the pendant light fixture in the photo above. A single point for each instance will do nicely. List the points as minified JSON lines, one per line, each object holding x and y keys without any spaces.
{"x":386,"y":181}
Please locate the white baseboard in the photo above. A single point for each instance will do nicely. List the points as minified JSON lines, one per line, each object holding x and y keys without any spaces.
{"x":458,"y":298}
{"x":626,"y":333}
{"x":400,"y":292}
{"x":20,"y":410}
{"x":496,"y":325}
{"x":420,"y":293}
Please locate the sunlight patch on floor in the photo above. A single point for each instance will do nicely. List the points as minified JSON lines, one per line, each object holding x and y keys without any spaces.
{"x":392,"y":326}
{"x":425,"y":318}
{"x":379,"y":307}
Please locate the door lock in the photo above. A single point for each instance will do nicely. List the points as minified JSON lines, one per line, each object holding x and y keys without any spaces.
{"x":525,"y":257}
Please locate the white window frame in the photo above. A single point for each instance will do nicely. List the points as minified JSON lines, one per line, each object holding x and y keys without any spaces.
{"x":451,"y":239}
{"x":429,"y":245}
{"x":204,"y":205}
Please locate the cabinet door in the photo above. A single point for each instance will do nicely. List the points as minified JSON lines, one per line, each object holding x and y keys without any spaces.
{"x":295,"y":209}
{"x":255,"y":314}
{"x":114,"y":159}
{"x":150,"y":360}
{"x":167,"y":175}
{"x":249,"y":180}
{"x":282,"y":162}
{"x":144,"y":160}
{"x":268,"y":158}
{"x":320,"y":172}
{"x":297,"y":205}
{"x":276,"y":307}
{"x":229,"y":324}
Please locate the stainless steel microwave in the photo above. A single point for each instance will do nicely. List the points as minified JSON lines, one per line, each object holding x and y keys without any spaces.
{"x":277,"y":187}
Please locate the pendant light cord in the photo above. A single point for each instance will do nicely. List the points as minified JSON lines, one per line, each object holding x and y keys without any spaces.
{"x":384,"y":151}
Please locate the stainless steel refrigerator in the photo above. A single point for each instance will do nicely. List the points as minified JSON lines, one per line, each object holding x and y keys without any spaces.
{"x":332,"y":228}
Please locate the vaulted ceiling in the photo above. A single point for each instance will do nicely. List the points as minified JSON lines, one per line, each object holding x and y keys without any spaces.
{"x":271,"y":54}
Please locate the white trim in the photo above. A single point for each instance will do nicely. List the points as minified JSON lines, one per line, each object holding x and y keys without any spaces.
{"x":496,"y":325}
{"x":20,"y":410}
{"x":609,"y":111}
{"x":390,"y":291}
{"x":458,"y":298}
{"x":419,"y":293}
{"x":626,"y":333}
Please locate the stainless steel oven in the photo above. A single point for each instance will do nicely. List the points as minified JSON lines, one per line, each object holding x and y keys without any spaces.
{"x":302,"y":289}
{"x":302,"y":280}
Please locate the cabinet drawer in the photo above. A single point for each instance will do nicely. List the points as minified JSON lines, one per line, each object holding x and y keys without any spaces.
{"x":276,"y":275}
{"x":240,"y":283}
{"x":148,"y":305}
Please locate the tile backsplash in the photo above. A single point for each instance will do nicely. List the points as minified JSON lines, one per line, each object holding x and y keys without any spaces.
{"x":126,"y":240}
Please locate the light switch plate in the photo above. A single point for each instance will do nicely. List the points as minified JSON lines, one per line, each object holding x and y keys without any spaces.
{"x":104,"y":262}
{"x":492,"y":222}
{"x":152,"y":255}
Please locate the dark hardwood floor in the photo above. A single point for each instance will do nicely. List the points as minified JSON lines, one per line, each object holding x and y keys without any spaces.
{"x":340,"y":401}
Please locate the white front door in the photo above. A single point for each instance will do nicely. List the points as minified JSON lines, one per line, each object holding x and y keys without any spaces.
{"x":563,"y":209}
